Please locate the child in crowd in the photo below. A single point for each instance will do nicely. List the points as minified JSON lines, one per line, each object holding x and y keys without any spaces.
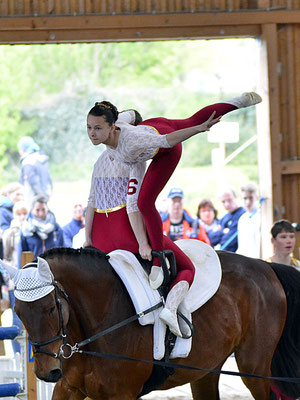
{"x":11,"y":236}
{"x":284,"y":240}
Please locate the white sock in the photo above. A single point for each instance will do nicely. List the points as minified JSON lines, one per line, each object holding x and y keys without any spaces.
{"x":246,"y":99}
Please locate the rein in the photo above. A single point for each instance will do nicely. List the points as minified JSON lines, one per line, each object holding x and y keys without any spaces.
{"x":189,"y":367}
{"x":62,"y":333}
{"x":116,"y":326}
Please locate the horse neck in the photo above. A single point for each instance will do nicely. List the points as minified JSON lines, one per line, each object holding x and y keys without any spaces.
{"x":93,"y":291}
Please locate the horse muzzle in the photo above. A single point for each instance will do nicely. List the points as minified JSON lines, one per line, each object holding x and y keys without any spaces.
{"x":53,"y":376}
{"x":48,"y":369}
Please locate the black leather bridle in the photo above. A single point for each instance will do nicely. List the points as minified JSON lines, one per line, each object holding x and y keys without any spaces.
{"x":66,"y":350}
{"x":62,"y":333}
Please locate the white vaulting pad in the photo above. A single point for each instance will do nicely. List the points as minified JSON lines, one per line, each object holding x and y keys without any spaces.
{"x":135,"y":279}
{"x":207,"y":280}
{"x":142,"y":295}
{"x":208,"y":272}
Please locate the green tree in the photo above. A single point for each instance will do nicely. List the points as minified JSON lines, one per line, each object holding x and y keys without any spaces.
{"x":46,"y":91}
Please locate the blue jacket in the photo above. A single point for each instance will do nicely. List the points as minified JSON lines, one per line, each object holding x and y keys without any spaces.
{"x":35,"y":175}
{"x":70,"y":230}
{"x":6,"y":213}
{"x":228,"y":223}
{"x":35,"y":244}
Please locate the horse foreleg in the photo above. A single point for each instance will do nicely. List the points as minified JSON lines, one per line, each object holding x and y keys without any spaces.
{"x":206,"y":388}
{"x":63,"y":391}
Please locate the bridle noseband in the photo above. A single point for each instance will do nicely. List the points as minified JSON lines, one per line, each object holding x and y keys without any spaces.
{"x":62,"y":333}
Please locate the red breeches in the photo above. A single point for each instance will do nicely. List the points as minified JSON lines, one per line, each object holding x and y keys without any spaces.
{"x":114,"y":232}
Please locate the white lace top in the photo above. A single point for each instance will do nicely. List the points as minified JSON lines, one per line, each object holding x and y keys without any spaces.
{"x":137,"y":143}
{"x":109,"y":185}
{"x":118,"y":173}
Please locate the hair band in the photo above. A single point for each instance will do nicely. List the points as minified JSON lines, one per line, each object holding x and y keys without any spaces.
{"x":99,"y":104}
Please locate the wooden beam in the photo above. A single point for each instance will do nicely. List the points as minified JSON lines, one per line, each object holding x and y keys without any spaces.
{"x":270,"y":32}
{"x":268,"y":129}
{"x":297,"y":83}
{"x":292,"y":136}
{"x":290,"y":167}
{"x":113,"y":35}
{"x":149,"y":20}
{"x":284,"y":95}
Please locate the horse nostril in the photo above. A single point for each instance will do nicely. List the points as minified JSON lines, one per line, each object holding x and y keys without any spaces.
{"x":53,"y":375}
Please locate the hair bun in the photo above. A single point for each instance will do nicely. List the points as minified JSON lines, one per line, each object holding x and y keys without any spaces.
{"x":108,"y":106}
{"x":104,"y":104}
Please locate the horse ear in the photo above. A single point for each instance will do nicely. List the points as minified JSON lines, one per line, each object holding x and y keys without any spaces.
{"x":12,"y":271}
{"x":44,"y":270}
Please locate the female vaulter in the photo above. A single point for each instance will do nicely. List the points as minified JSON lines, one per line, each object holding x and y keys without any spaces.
{"x":128,"y":148}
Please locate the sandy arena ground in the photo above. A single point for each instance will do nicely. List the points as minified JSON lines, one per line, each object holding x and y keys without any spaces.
{"x":231,"y":388}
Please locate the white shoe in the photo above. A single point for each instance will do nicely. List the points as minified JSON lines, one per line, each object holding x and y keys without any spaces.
{"x":170,"y":319}
{"x":156,"y":277}
{"x":246,"y":99}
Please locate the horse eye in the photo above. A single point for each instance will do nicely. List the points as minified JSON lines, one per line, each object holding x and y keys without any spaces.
{"x":52,"y":309}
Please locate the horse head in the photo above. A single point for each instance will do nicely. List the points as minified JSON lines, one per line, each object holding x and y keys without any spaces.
{"x":39,"y":295}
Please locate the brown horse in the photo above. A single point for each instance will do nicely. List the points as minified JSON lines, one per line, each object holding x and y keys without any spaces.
{"x":255,"y":314}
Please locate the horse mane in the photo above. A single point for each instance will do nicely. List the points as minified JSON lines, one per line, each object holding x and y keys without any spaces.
{"x":286,"y":359}
{"x":78,"y":256}
{"x":59,"y":251}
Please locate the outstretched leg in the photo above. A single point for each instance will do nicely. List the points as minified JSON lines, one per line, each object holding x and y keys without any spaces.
{"x":165,"y":126}
{"x":166,"y":160}
{"x":155,"y":179}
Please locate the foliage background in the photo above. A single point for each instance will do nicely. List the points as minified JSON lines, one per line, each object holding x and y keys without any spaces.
{"x":46,"y":91}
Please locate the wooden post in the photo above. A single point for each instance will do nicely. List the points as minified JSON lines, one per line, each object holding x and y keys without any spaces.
{"x":268,"y":130}
{"x":27,"y":257}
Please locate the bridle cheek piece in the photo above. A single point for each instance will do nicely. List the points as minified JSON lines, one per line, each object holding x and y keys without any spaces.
{"x":62,"y":333}
{"x":66,"y":350}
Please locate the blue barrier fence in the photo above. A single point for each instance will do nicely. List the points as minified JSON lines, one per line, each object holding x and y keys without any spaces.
{"x":9,"y":389}
{"x":9,"y":332}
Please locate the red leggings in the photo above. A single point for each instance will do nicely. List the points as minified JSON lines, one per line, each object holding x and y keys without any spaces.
{"x":156,"y":177}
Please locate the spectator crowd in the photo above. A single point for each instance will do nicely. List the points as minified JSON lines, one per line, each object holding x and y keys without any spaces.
{"x":28,"y":224}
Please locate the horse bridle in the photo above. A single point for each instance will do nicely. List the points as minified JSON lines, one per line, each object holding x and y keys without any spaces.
{"x":62,"y":333}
